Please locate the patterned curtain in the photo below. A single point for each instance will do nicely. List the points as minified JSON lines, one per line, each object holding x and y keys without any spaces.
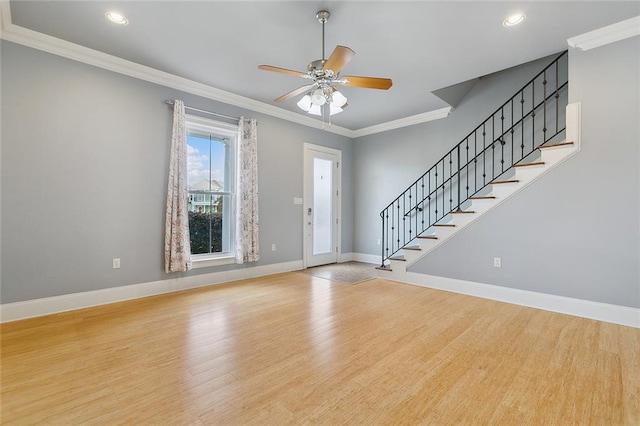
{"x":247,"y":249}
{"x":177,"y":247}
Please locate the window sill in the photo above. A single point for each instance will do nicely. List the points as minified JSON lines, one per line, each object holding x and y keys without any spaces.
{"x":206,"y":262}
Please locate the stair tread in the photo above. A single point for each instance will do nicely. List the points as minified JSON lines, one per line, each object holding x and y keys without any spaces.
{"x":400,"y":258}
{"x":500,"y":182}
{"x":449,"y":225}
{"x":417,"y":248}
{"x":487,"y":197}
{"x":384,"y":268}
{"x":428,"y":237}
{"x":463,"y":212}
{"x":556,"y":145}
{"x":537,"y":163}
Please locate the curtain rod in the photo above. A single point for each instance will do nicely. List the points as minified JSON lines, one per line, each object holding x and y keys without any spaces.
{"x":168,"y":102}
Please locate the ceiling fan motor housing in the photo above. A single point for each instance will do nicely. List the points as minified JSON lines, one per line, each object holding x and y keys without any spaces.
{"x":323,"y":16}
{"x":315,"y":67}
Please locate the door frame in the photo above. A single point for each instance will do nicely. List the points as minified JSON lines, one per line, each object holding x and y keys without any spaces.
{"x":308,"y":150}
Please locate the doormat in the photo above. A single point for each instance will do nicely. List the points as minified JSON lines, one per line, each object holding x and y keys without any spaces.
{"x":347,"y":273}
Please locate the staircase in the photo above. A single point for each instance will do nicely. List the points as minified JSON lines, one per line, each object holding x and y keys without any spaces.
{"x":530,"y":134}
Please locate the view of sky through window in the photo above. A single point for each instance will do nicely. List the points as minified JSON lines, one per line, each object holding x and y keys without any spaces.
{"x":205,"y":160}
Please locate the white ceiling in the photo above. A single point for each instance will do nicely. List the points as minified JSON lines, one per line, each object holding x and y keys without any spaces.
{"x":421,"y":45}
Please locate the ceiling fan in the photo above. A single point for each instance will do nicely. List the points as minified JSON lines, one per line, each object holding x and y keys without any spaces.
{"x":325,"y":74}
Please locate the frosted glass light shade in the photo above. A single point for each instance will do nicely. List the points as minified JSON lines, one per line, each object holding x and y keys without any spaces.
{"x":338,"y":99}
{"x":315,"y":110}
{"x":318,"y":98}
{"x":334,"y":109}
{"x":305,"y":103}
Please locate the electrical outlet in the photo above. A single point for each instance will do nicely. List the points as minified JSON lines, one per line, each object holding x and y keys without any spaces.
{"x":497,"y":262}
{"x":378,"y":241}
{"x":116,"y":263}
{"x":273,"y":247}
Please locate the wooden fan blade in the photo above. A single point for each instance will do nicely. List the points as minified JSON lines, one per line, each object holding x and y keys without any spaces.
{"x":283,"y":71}
{"x":338,"y":59}
{"x":366,"y":82}
{"x":296,"y":92}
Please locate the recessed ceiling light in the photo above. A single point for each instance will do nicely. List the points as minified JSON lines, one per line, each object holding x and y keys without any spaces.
{"x":117,"y":18}
{"x":514,"y":20}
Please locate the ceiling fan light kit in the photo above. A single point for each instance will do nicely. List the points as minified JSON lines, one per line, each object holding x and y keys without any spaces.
{"x":322,"y":96}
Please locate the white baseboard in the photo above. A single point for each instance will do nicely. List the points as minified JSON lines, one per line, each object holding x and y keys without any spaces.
{"x":68,"y":302}
{"x":367,"y":258}
{"x":345,"y":257}
{"x":616,"y":314}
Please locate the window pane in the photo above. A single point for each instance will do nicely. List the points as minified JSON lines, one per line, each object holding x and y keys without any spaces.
{"x":322,"y":206}
{"x":207,"y":159}
{"x":207,"y":221}
{"x":210,"y":160}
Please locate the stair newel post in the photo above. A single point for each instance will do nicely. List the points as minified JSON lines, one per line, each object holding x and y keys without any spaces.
{"x":383,"y":240}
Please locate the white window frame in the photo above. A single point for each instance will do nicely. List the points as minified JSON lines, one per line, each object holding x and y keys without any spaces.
{"x":207,"y":126}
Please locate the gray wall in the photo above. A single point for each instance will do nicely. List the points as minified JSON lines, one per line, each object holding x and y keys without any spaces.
{"x":84,"y":161}
{"x":575,"y":232}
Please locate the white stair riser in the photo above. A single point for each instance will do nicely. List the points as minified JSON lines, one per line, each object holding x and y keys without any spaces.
{"x":428,"y":244}
{"x":462,"y":219}
{"x":412,"y":255}
{"x":444,"y":232}
{"x":481,"y":206}
{"x":526,"y":174}
{"x":553,"y":155}
{"x":398,"y":266}
{"x":503,"y":190}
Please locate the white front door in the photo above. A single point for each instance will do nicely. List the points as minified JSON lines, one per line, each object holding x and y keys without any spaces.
{"x":321,"y":205}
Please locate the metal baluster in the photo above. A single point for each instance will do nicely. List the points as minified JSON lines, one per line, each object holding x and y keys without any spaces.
{"x":512,"y":132}
{"x":484,"y":155}
{"x":450,"y":182}
{"x":398,"y":229}
{"x":415,"y":225}
{"x":443,"y":191}
{"x":467,"y":166}
{"x":404,"y":224}
{"x":493,"y":147}
{"x":429,"y":197}
{"x":459,"y":176}
{"x":544,"y":107}
{"x":557,"y":96}
{"x":533,"y":116}
{"x":435,"y":195}
{"x":475,"y":161}
{"x":422,"y":198}
{"x":522,"y":124}
{"x":393,"y":229}
{"x":502,"y":140}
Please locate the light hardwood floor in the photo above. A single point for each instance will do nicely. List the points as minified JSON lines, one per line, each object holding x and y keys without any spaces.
{"x":292,"y":348}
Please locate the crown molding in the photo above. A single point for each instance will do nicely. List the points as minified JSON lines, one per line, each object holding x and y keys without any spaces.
{"x":605,"y":35}
{"x":404,"y":122}
{"x":63,"y":48}
{"x":5,"y":14}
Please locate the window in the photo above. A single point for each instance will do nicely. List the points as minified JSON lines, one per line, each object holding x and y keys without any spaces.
{"x":211,"y":149}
